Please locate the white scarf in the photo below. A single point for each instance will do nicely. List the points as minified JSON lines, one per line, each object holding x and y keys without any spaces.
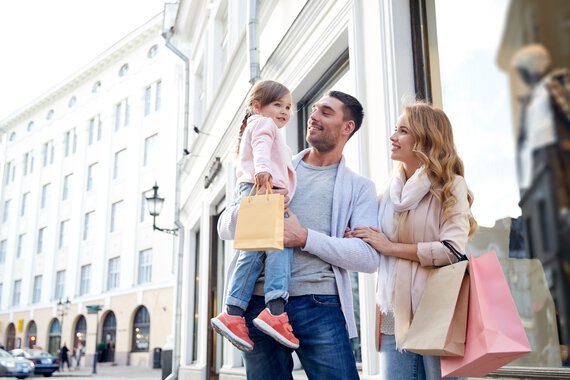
{"x":399,"y":196}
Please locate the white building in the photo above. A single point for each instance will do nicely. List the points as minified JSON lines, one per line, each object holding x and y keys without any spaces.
{"x":75,"y":165}
{"x":379,"y":51}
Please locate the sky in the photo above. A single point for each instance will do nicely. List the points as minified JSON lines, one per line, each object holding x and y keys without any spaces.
{"x":44,"y":42}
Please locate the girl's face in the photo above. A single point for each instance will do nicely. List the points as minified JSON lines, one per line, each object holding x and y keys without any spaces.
{"x":403,"y":143}
{"x":278,"y":110}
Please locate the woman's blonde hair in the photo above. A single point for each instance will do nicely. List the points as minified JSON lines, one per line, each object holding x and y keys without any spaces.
{"x":264,"y":92}
{"x":435,"y":149}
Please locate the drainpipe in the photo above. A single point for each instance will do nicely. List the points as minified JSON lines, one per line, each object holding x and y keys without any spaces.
{"x":252,"y":39}
{"x":180,"y":227}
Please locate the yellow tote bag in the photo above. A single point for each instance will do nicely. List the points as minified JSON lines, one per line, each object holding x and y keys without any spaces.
{"x":260,"y":223}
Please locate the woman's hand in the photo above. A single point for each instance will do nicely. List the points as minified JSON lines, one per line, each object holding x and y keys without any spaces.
{"x":374,"y":237}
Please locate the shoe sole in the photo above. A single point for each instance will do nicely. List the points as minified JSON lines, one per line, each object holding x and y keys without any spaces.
{"x":221,"y":329}
{"x":265,"y":328}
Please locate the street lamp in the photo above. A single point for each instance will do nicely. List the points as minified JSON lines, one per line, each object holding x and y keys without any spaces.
{"x":95,"y":309}
{"x":155,"y":204}
{"x":62,"y":309}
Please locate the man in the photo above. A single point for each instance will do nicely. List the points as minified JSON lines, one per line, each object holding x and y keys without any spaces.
{"x":329,"y":197}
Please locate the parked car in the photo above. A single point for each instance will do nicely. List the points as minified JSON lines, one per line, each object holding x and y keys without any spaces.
{"x":44,"y":362}
{"x":15,"y":367}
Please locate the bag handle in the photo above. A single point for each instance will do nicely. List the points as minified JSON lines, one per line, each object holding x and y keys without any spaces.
{"x":256,"y":186}
{"x":458,"y":255}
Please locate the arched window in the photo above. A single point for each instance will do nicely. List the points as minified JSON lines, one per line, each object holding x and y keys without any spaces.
{"x":31,"y":334}
{"x":50,"y":114}
{"x":152,"y":51}
{"x":54,"y":337}
{"x":96,"y":86}
{"x":13,"y":136}
{"x":141,"y":330}
{"x":80,"y":331}
{"x":124,"y":70}
{"x":72,"y":102}
{"x":10,"y":337}
{"x":30,"y":126}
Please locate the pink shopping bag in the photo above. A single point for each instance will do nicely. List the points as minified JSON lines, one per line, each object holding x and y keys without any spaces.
{"x":495,"y":334}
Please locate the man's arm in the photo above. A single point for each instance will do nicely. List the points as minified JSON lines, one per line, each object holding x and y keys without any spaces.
{"x":352,"y":254}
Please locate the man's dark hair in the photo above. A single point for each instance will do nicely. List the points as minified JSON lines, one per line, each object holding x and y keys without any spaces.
{"x":352,"y":109}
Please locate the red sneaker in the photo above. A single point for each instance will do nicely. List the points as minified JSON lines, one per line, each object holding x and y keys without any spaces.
{"x":234,"y":329}
{"x":277,"y":327}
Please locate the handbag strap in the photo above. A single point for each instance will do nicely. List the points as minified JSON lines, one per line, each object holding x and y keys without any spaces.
{"x":458,"y":255}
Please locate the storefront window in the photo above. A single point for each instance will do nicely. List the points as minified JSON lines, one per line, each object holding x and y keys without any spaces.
{"x":141,"y":330}
{"x":499,"y":69}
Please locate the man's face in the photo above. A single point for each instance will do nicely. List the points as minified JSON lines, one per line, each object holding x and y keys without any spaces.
{"x":325,"y":124}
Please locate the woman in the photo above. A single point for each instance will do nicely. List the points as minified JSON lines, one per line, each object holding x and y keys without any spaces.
{"x":426,"y":202}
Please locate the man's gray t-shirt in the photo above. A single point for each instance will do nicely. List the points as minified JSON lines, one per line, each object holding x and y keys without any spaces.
{"x":312,"y":204}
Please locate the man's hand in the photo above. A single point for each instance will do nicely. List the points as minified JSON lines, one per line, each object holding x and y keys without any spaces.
{"x":283,"y":192}
{"x":295,"y":234}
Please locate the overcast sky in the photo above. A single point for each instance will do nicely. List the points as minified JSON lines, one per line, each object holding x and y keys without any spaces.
{"x":43,"y":42}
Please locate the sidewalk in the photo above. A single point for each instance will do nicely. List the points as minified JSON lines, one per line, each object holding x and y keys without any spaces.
{"x":111,"y":372}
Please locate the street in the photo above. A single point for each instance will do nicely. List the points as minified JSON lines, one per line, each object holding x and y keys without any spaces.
{"x":110,"y":372}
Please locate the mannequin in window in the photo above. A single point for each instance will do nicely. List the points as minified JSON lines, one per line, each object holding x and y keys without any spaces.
{"x":544,"y":134}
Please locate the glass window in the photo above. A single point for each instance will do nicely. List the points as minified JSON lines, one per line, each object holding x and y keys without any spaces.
{"x":118,"y":163}
{"x":40,"y":242}
{"x":116,"y":216}
{"x":195,"y":316}
{"x":122,"y":114}
{"x":3,"y":248}
{"x":497,"y":81}
{"x":141,"y":330}
{"x":145,"y":266}
{"x":157,"y":95}
{"x":6,"y":211}
{"x":37,"y":291}
{"x":16,"y":292}
{"x":94,"y":130}
{"x":20,"y":247}
{"x":85,"y":279}
{"x":23,"y":206}
{"x":63,"y":232}
{"x":88,"y":225}
{"x":31,"y":334}
{"x":113,"y":273}
{"x":152,"y":51}
{"x":45,"y":196}
{"x":124,"y":70}
{"x":150,"y":146}
{"x":66,"y":187}
{"x":59,"y":285}
{"x":96,"y":87}
{"x":147,"y":96}
{"x":90,"y":171}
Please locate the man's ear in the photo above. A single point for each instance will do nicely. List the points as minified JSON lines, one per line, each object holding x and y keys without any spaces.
{"x":349,"y":127}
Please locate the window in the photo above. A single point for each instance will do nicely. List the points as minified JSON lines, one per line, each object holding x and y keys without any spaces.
{"x":70,"y":142}
{"x":85,"y":279}
{"x":72,"y":101}
{"x":96,"y":87}
{"x":45,"y":195}
{"x":113,"y":273}
{"x":23,"y":206}
{"x":63,"y":232}
{"x":7,"y":174}
{"x":152,"y":93}
{"x":150,"y":146}
{"x":37,"y":291}
{"x":59,"y":285}
{"x":122,"y":113}
{"x":1,"y":291}
{"x":87,"y":225}
{"x":222,"y":37}
{"x":124,"y":70}
{"x":16,"y":293}
{"x":28,"y":163}
{"x":30,"y":126}
{"x":20,"y":247}
{"x":90,"y":171}
{"x":6,"y":212}
{"x":40,"y":242}
{"x":141,"y":330}
{"x":48,"y":152}
{"x":3,"y":247}
{"x":116,"y":216}
{"x":152,"y":51}
{"x":94,"y":130}
{"x":118,"y":163}
{"x":157,"y":95}
{"x":145,"y":266}
{"x":147,"y":96}
{"x":50,"y":115}
{"x":66,"y":187}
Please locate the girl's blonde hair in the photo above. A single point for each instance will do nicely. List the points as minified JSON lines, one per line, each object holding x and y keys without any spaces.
{"x":264,"y":92}
{"x":435,"y":149}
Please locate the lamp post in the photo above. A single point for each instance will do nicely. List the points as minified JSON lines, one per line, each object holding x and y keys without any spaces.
{"x":62,"y":309}
{"x":155,"y":203}
{"x":95,"y":309}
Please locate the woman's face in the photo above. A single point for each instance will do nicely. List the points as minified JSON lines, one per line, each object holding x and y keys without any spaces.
{"x":403,"y":143}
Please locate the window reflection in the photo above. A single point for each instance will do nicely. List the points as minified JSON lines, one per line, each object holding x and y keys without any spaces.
{"x":510,"y":107}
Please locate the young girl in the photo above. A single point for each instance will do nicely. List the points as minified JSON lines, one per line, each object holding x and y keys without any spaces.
{"x":263,"y":158}
{"x":426,"y":203}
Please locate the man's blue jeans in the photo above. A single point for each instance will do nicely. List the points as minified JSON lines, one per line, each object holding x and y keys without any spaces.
{"x":396,"y":365}
{"x":248,"y":267}
{"x":325,"y":350}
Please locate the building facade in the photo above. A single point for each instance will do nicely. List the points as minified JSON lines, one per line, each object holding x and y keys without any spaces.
{"x":382,"y":52}
{"x":75,"y":230}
